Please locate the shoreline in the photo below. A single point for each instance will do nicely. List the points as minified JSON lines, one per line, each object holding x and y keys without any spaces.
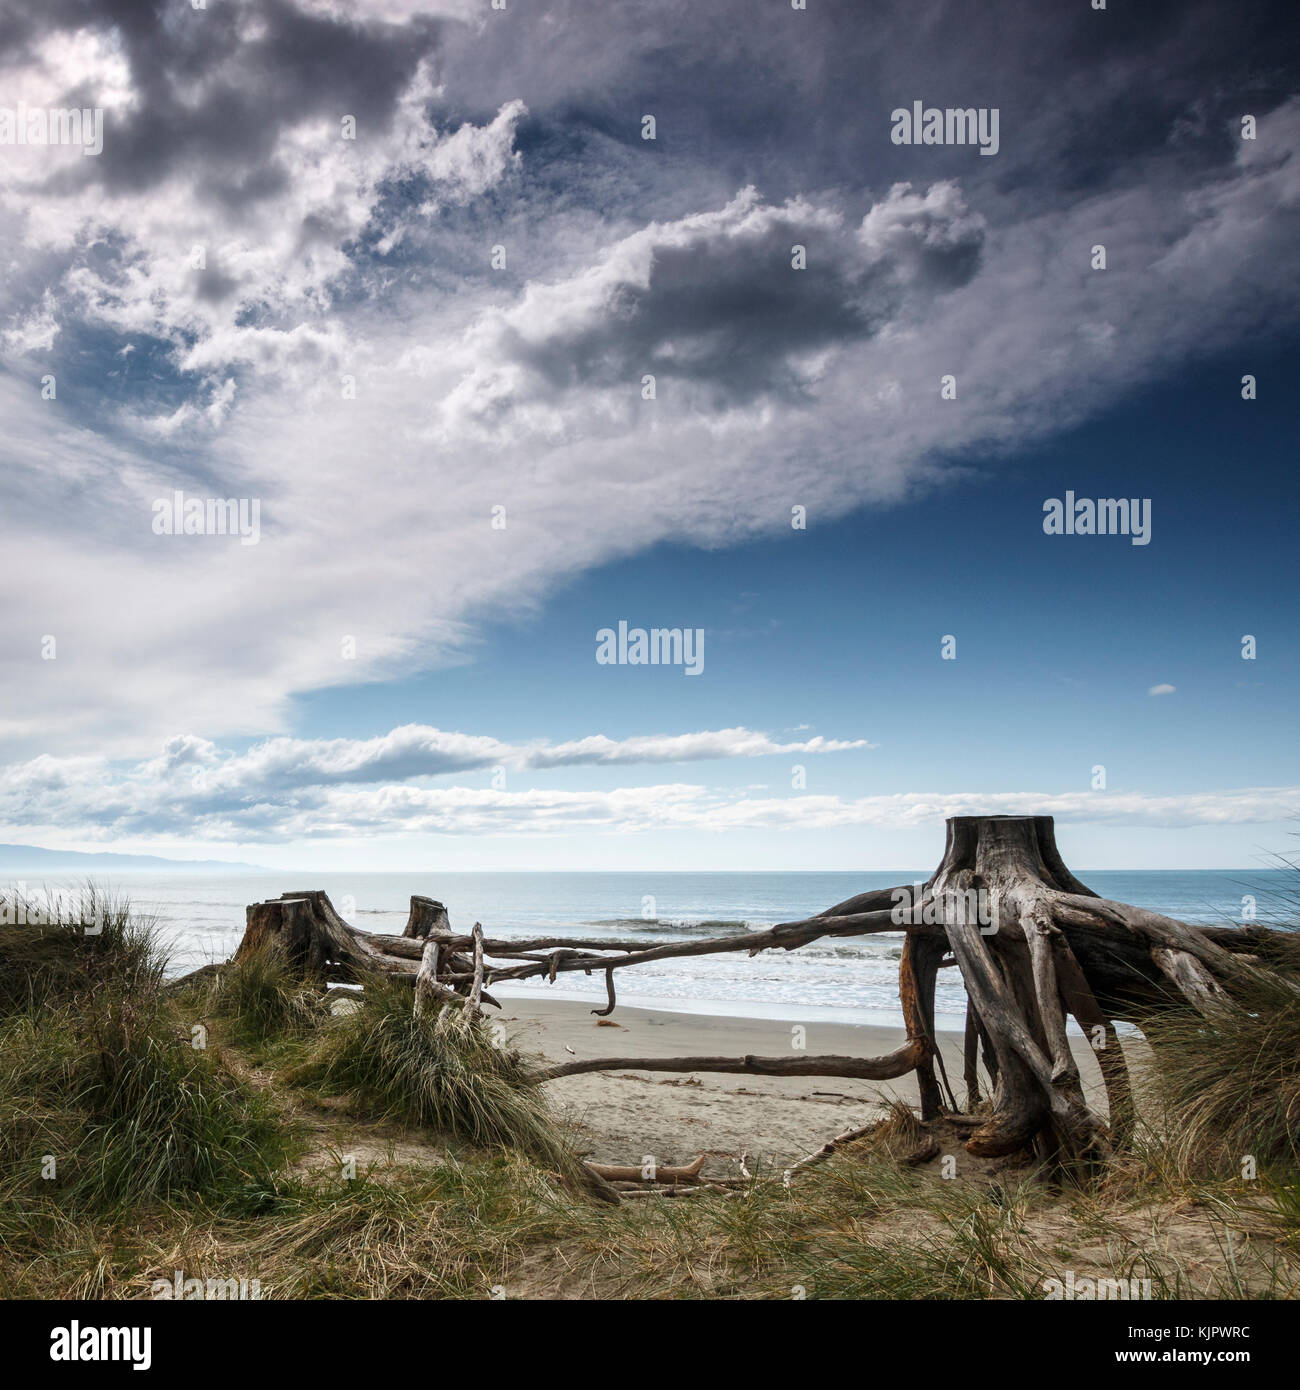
{"x":739,"y":1010}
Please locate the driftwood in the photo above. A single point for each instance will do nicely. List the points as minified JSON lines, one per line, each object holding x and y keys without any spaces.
{"x":825,"y":1152}
{"x":625,"y":1173}
{"x":899,"y":1063}
{"x":305,"y":930}
{"x":1034,"y":947}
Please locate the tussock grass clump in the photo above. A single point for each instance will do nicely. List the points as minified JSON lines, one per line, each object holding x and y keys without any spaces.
{"x":898,"y":1134}
{"x":104,"y":1104}
{"x":441,"y":1071}
{"x":263,"y":999}
{"x":55,"y":950}
{"x":1229,"y":1086}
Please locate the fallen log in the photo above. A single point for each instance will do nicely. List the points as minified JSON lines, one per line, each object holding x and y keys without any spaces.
{"x":884,"y":1068}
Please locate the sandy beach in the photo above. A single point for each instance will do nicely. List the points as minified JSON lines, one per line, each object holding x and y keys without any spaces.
{"x":623,"y":1115}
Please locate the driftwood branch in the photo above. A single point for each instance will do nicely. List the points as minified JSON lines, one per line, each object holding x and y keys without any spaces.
{"x":476,"y":985}
{"x":609,"y":990}
{"x":614,"y":1172}
{"x":865,"y":1068}
{"x":426,"y":979}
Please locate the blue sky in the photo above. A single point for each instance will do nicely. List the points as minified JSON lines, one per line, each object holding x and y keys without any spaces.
{"x":839,"y":628}
{"x":386,"y":680}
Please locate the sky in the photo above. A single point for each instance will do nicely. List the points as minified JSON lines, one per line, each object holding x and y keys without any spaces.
{"x":492,"y":373}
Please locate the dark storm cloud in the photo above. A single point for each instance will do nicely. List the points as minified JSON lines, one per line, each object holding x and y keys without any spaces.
{"x":787,"y":100}
{"x":713,"y":310}
{"x":799,"y":100}
{"x":216,"y":87}
{"x":716,"y":300}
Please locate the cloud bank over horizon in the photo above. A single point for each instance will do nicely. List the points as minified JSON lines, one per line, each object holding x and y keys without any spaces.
{"x":291,"y":790}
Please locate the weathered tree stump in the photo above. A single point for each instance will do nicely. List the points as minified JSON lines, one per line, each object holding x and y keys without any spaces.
{"x":426,"y":915}
{"x":309,"y":935}
{"x":1033,"y":945}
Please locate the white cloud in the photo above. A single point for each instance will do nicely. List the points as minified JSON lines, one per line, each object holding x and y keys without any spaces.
{"x":183,"y":797}
{"x":282,"y":780}
{"x":34,"y":333}
{"x":271,"y":269}
{"x":526,"y":392}
{"x":1162,"y":690}
{"x":672,"y":748}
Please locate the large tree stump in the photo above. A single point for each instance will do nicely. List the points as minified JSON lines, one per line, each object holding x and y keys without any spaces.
{"x":426,"y":915}
{"x":1033,"y":945}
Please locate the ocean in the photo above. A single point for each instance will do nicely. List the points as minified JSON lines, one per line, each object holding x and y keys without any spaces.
{"x":202,"y":918}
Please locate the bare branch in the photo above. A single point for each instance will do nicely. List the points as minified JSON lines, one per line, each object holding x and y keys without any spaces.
{"x":866,"y":1068}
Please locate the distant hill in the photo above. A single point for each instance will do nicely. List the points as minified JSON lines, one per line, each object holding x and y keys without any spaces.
{"x":15,"y":858}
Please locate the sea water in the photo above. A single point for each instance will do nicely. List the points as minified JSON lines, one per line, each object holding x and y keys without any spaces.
{"x":201,"y":916}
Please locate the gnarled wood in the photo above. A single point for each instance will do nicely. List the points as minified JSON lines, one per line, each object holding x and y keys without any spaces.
{"x":970,"y":1058}
{"x":426,"y":979}
{"x":1031,"y":941}
{"x":916,"y":976}
{"x":426,"y":915}
{"x":1190,"y":978}
{"x":315,"y":941}
{"x":476,"y":984}
{"x":1102,"y":1038}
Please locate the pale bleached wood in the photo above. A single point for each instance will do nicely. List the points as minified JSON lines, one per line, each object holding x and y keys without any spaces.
{"x":867,"y":1068}
{"x":476,"y":986}
{"x":426,"y":979}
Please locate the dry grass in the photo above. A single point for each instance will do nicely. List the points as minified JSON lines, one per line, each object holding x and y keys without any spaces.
{"x":443,"y":1072}
{"x":1226,"y":1090}
{"x":176,"y":1159}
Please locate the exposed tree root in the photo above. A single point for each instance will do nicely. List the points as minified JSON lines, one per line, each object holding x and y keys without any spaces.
{"x":1034,"y":947}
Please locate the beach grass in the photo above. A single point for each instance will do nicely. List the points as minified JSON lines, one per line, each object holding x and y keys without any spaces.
{"x":449,"y":1072}
{"x":261,"y":1000}
{"x":105,"y":1105}
{"x":1225,"y":1090}
{"x":371,"y":1154}
{"x":98,"y":939}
